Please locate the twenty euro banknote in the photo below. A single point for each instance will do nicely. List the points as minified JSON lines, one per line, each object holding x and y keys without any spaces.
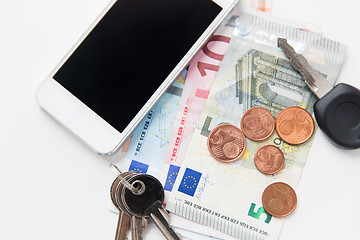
{"x":144,"y":150}
{"x":227,"y":196}
{"x":150,"y":139}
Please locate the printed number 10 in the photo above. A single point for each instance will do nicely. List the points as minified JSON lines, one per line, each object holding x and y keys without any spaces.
{"x":216,"y":56}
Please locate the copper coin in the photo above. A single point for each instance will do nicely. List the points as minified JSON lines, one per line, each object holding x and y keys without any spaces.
{"x":226,"y":143}
{"x":279,"y":199}
{"x":294,"y":125}
{"x":269,"y":159}
{"x":257,"y":123}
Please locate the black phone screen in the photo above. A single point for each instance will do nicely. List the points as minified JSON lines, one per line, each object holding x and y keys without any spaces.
{"x":130,"y":52}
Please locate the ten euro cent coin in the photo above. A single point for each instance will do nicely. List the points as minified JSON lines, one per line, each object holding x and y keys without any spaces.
{"x":279,"y":199}
{"x":269,"y":159}
{"x":226,"y":143}
{"x":294,"y":125}
{"x":257,"y":123}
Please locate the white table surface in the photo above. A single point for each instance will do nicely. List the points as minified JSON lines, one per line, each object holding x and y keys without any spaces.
{"x":52,"y":186}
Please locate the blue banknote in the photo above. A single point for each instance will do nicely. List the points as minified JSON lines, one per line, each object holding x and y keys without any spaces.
{"x":150,"y":139}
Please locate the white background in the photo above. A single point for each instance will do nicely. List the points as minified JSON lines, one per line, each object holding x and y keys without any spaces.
{"x":54,"y":187}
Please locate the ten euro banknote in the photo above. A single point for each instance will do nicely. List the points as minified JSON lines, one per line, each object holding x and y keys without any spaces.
{"x":227,"y":196}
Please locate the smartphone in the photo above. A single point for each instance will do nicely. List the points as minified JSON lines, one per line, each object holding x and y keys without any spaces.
{"x":123,"y":63}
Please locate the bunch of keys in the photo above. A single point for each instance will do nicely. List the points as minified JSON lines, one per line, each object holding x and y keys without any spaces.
{"x":138,"y":198}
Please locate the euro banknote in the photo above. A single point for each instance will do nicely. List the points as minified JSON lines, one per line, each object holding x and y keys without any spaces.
{"x":227,"y":196}
{"x":202,"y":71}
{"x":260,"y":5}
{"x":142,"y":162}
{"x":147,"y":147}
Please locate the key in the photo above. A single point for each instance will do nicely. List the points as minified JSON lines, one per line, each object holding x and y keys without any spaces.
{"x":337,"y":111}
{"x":124,"y":182}
{"x":124,"y":218}
{"x":148,"y":203}
{"x":138,"y":224}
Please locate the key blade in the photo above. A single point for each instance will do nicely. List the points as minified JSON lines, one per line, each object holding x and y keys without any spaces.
{"x":313,"y":78}
{"x":285,"y":47}
{"x":165,"y":214}
{"x":160,"y":221}
{"x":123,"y":226}
{"x":138,"y":224}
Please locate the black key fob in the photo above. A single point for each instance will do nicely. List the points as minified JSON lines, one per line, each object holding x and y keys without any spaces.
{"x":338,"y":115}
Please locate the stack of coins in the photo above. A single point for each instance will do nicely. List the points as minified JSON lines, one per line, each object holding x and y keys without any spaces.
{"x":294,"y":125}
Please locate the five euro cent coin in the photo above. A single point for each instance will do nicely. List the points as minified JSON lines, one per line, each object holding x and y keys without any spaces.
{"x":257,"y":123}
{"x":279,"y":199}
{"x":294,"y":125}
{"x":226,"y":143}
{"x":269,"y":159}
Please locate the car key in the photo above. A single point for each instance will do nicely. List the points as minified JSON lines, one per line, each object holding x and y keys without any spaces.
{"x":124,"y":218}
{"x":148,"y":203}
{"x":337,"y":111}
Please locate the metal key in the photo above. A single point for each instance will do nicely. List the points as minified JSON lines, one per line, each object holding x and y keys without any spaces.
{"x":137,"y":225}
{"x":337,"y":111}
{"x":124,"y":182}
{"x":149,"y":203}
{"x":124,"y":218}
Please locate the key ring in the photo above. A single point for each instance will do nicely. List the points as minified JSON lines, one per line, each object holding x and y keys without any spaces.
{"x":137,"y":187}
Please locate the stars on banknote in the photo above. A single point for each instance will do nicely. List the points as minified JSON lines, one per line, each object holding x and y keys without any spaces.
{"x":303,"y":106}
{"x":180,"y":79}
{"x":171,"y":178}
{"x":162,"y":140}
{"x":189,"y":182}
{"x":288,"y":148}
{"x":246,"y":155}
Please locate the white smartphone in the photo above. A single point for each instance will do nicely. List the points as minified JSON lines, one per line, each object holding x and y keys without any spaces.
{"x":124,"y":62}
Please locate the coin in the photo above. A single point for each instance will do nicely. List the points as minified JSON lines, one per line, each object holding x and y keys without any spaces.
{"x":269,"y":159}
{"x":257,"y":123}
{"x":279,"y":199}
{"x":294,"y":125}
{"x":226,"y":143}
